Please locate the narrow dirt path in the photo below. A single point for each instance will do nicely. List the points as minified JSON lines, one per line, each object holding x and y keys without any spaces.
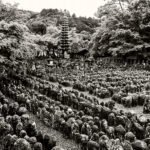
{"x":67,"y":144}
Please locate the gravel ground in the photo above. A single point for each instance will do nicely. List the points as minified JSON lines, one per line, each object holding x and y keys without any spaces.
{"x":137,"y":109}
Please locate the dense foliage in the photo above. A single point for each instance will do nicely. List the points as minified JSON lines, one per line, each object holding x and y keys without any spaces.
{"x":124,"y":28}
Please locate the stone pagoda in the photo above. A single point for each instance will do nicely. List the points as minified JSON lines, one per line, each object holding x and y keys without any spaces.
{"x":65,"y":43}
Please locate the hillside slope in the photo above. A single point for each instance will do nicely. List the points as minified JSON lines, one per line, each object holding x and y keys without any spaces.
{"x":26,"y":34}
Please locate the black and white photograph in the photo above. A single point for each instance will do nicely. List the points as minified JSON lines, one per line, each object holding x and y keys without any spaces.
{"x":74,"y":74}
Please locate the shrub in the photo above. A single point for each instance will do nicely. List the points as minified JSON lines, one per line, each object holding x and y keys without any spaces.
{"x":38,"y":27}
{"x":52,"y":79}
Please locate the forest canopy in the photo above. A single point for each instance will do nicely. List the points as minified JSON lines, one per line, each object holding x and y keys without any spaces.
{"x":124,"y":28}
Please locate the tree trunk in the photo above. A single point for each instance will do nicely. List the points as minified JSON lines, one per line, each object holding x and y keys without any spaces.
{"x":120,"y":5}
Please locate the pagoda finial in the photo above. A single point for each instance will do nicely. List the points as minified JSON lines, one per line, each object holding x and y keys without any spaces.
{"x":65,"y":13}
